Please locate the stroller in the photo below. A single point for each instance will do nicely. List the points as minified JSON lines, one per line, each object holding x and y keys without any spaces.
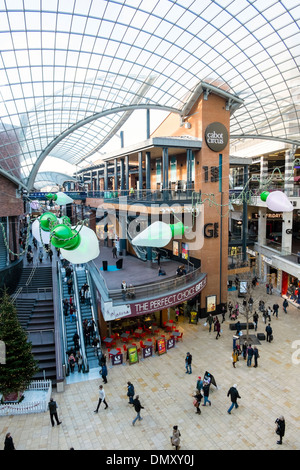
{"x":233,"y":315}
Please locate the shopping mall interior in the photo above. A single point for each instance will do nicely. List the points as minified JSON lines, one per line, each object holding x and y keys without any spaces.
{"x":150,"y":189}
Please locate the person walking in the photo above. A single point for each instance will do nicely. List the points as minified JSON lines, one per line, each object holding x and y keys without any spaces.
{"x":234,"y":395}
{"x":101,"y":399}
{"x":124,"y":289}
{"x":72,"y":362}
{"x":223,"y":312}
{"x":285,"y":305}
{"x":244,"y":350}
{"x":199,"y":385}
{"x":188,"y":363}
{"x":79,"y":361}
{"x":138,"y":407}
{"x":235,"y":357}
{"x":206,"y":394}
{"x":197,"y":401}
{"x":175,"y":438}
{"x":269,"y":332}
{"x":52,"y":406}
{"x":249,"y":355}
{"x":114,"y":252}
{"x":9,"y":443}
{"x":217,"y":328}
{"x":255,"y":320}
{"x":210,"y":320}
{"x":104,"y":373}
{"x":130,"y":392}
{"x":275,"y":310}
{"x":255,"y":355}
{"x":280,"y":428}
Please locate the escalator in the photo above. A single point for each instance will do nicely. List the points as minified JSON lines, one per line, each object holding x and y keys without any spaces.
{"x":70,"y":328}
{"x":87,"y":313}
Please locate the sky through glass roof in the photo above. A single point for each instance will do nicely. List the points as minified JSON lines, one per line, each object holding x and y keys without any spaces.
{"x":73,"y":71}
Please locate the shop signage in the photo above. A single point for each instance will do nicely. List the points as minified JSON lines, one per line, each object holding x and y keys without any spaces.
{"x":170,"y":343}
{"x":216,"y":136}
{"x":161,"y":346}
{"x":147,"y":351}
{"x":133,"y":356}
{"x":117,"y":359}
{"x":211,"y":230}
{"x":167,"y":301}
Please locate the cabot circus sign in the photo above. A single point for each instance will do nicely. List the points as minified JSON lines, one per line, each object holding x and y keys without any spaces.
{"x":216,"y":136}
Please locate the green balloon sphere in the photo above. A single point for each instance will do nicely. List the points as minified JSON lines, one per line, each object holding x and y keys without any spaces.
{"x":59,"y":235}
{"x":47,"y":220}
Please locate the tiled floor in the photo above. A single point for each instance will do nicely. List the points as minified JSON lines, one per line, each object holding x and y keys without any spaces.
{"x":166,"y":393}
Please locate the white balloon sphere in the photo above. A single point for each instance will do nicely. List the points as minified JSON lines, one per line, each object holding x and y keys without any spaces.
{"x":37,"y":234}
{"x":277,"y":201}
{"x":62,"y":199}
{"x":86,"y":251}
{"x":157,"y":235}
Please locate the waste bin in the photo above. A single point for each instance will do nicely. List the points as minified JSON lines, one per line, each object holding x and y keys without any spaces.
{"x":298,"y":256}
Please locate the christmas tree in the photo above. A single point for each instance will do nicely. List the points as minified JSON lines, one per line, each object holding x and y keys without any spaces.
{"x":19,"y":366}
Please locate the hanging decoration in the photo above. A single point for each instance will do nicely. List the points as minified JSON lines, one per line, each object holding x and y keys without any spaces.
{"x":59,"y":198}
{"x":158,"y":234}
{"x":277,"y":201}
{"x":76,"y":246}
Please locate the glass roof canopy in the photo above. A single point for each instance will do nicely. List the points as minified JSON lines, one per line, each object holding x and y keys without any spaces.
{"x":72,"y":71}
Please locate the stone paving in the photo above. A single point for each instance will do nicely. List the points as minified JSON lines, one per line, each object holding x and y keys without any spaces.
{"x":166,"y":391}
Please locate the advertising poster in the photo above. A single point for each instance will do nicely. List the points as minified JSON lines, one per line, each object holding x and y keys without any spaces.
{"x":147,"y":351}
{"x":161,"y":346}
{"x":211,"y":302}
{"x":175,"y":248}
{"x":117,"y":359}
{"x":184,"y":250}
{"x":194,"y":318}
{"x":133,"y":356}
{"x":170,"y":343}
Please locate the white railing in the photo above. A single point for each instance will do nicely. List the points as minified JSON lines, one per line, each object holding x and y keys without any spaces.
{"x":40,"y":390}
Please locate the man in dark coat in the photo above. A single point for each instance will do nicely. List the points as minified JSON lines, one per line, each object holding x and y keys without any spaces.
{"x":137,"y":406}
{"x":52,"y":405}
{"x":234,"y":395}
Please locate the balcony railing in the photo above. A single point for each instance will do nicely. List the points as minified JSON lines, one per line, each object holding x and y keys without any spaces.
{"x":154,"y":289}
{"x":143,"y":195}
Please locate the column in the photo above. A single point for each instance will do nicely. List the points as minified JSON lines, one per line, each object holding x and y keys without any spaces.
{"x":261,"y":236}
{"x":115,"y":174}
{"x":165,"y":170}
{"x":189,"y":169}
{"x":140,"y":160}
{"x":105,"y":177}
{"x":287,"y":233}
{"x":98,"y":180}
{"x":289,"y":172}
{"x":263,"y":170}
{"x":148,"y":173}
{"x":127,"y":172}
{"x":245,"y":217}
{"x":122,"y":171}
